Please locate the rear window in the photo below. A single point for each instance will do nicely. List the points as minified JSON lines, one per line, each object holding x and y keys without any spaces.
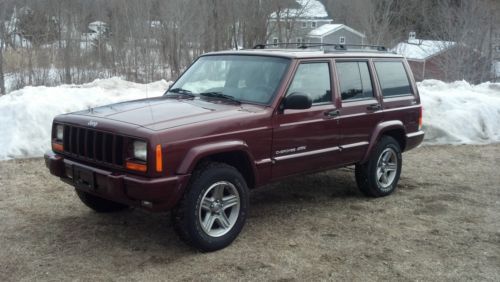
{"x":393,"y":79}
{"x":355,"y":81}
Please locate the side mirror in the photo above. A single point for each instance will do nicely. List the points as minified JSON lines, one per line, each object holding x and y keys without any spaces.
{"x":297,"y":101}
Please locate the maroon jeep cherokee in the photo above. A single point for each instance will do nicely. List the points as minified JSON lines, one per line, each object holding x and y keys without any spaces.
{"x":237,"y":120}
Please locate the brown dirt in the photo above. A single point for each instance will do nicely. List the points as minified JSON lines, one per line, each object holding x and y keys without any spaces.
{"x":441,"y":224}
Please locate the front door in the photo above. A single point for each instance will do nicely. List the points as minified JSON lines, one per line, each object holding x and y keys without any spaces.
{"x":307,"y":140}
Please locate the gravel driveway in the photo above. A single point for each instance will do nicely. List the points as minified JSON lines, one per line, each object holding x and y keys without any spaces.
{"x":443,"y":223}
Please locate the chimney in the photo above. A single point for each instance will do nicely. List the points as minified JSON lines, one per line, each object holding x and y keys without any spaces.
{"x":412,"y":36}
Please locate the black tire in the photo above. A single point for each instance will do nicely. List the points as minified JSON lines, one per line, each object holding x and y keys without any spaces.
{"x":187,"y":216}
{"x":99,"y":205}
{"x":367,"y":177}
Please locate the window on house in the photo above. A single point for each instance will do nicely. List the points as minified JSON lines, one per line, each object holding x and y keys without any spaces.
{"x":355,"y":81}
{"x":342,"y":40}
{"x":304,"y":24}
{"x":393,"y":79}
{"x":275,"y":41}
{"x":497,"y":48}
{"x":313,"y":24}
{"x":312,"y":79}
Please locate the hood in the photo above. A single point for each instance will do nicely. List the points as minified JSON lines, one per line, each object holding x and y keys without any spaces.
{"x":160,"y":113}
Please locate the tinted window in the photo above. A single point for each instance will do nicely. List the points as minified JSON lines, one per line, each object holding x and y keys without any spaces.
{"x":313,"y":79}
{"x":393,"y":79}
{"x":355,"y":81}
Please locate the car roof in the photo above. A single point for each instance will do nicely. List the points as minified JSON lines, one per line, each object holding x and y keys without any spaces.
{"x":308,"y":53}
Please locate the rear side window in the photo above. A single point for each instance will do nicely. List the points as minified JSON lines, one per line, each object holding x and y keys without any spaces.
{"x":355,"y":81}
{"x":312,"y":79}
{"x":393,"y":79}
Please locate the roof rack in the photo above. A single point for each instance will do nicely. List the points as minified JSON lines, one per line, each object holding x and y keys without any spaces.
{"x":336,"y":47}
{"x":298,"y":45}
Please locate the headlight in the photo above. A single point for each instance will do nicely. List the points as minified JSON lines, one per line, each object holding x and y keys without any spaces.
{"x":140,"y":150}
{"x":59,"y":132}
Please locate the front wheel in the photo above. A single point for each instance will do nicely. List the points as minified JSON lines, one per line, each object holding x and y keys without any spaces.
{"x":379,"y":176}
{"x":214,"y":208}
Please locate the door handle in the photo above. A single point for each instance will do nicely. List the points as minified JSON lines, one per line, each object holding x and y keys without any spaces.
{"x":374,"y":107}
{"x":332,"y":113}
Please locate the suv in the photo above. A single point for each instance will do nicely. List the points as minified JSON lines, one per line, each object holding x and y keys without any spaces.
{"x":235,"y":121}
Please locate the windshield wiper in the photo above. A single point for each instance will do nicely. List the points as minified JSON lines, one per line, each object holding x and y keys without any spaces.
{"x":180,"y":91}
{"x":220,"y":95}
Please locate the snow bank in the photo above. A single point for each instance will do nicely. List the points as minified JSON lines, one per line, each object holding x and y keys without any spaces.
{"x":26,"y":115}
{"x":454,"y":113}
{"x":460,"y":113}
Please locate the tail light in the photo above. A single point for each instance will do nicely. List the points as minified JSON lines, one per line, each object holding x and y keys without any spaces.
{"x":420,"y":118}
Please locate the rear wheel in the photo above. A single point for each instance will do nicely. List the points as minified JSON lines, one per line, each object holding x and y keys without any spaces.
{"x":379,"y":176}
{"x":214,"y":208}
{"x":99,"y":204}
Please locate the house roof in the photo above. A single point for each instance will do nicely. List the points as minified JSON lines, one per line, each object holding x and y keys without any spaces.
{"x":328,"y":29}
{"x":308,"y":9}
{"x":97,"y":26}
{"x":418,"y":49}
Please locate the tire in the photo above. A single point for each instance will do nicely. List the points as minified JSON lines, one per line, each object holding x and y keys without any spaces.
{"x":213,"y":209}
{"x":379,"y":176}
{"x":99,"y":205}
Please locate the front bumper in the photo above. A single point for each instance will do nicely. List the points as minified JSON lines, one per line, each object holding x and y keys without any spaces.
{"x":155,"y":194}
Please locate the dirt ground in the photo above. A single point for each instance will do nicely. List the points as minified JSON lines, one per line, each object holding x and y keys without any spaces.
{"x":443,"y":223}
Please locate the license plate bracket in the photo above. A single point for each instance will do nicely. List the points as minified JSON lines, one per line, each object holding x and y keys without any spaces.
{"x":83,"y":178}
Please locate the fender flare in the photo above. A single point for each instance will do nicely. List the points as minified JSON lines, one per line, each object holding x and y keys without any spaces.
{"x":378,"y":132}
{"x":195,"y":154}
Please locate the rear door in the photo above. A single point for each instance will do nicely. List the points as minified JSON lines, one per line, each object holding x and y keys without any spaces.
{"x":399,"y":95}
{"x":307,"y":140}
{"x":361,"y":108}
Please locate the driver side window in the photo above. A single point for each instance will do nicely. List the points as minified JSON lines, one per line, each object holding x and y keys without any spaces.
{"x":313,"y":79}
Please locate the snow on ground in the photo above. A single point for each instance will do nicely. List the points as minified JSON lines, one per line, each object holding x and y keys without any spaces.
{"x":454,"y":113}
{"x":26,"y":115}
{"x":460,"y":113}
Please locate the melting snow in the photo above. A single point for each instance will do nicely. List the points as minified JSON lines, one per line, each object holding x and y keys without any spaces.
{"x":460,"y":113}
{"x":454,"y":113}
{"x":26,"y":114}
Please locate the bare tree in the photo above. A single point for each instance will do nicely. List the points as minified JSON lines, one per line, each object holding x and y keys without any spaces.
{"x":3,"y":44}
{"x":465,"y":24}
{"x":147,"y":40}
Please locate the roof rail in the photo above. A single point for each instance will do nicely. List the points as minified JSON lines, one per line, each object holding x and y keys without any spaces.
{"x":298,"y":45}
{"x":336,"y":47}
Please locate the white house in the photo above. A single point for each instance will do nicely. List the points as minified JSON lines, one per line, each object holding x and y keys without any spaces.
{"x":292,"y":24}
{"x":335,"y":34}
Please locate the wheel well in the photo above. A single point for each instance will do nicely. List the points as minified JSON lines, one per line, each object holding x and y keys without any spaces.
{"x":238,"y":160}
{"x":399,"y":135}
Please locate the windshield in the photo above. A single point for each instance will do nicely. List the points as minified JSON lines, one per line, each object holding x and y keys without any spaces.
{"x":252,"y":79}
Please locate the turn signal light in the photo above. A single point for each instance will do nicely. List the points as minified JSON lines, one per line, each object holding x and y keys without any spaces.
{"x":159,"y":159}
{"x":57,"y":147}
{"x":135,"y":166}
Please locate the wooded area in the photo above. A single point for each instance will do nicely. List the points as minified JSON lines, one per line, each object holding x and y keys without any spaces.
{"x":148,"y":40}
